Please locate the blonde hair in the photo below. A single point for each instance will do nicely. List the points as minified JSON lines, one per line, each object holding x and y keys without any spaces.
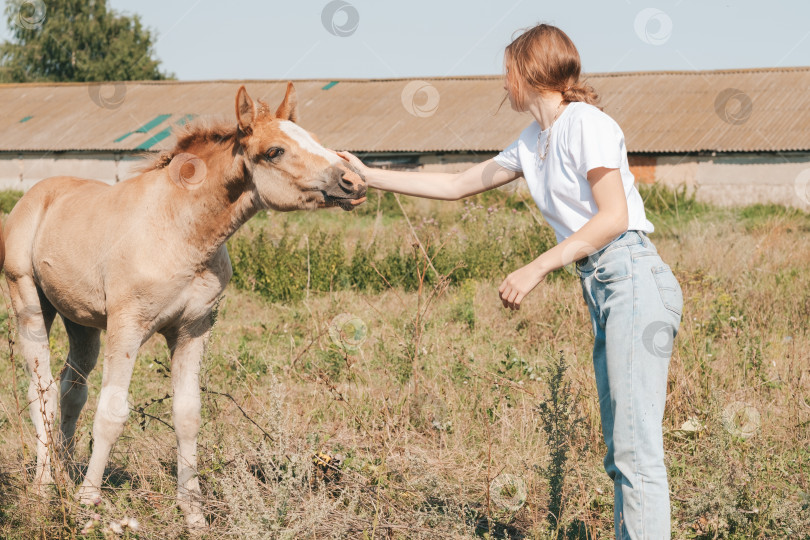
{"x":544,"y":58}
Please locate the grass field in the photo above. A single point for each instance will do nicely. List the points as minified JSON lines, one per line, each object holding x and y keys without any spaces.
{"x":354,"y":390}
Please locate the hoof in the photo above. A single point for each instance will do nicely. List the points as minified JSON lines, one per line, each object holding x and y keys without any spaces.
{"x":89,"y":496}
{"x":196,"y":522}
{"x":189,"y":503}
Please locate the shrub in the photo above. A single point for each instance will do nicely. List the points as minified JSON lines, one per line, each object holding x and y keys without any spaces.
{"x":8,"y":199}
{"x":488,"y":246}
{"x":662,"y":200}
{"x":277,"y":271}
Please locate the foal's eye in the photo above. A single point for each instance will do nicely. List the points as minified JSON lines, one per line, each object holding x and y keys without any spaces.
{"x":273,"y":153}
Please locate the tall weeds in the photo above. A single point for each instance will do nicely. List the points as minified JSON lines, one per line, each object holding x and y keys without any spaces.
{"x":560,"y":422}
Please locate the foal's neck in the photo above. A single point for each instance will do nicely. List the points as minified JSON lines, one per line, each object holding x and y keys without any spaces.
{"x":208,"y":215}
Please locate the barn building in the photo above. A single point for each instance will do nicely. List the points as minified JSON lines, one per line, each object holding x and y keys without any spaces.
{"x":734,"y":136}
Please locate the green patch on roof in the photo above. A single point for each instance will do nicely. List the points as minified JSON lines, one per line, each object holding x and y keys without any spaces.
{"x":26,"y":119}
{"x":186,"y":119}
{"x":156,"y":121}
{"x":154,"y":139}
{"x":330,"y":85}
{"x":152,"y":123}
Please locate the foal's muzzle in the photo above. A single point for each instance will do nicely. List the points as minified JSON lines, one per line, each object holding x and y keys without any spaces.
{"x":345,"y":187}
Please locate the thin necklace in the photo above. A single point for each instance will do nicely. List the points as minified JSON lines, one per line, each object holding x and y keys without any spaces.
{"x":548,"y":138}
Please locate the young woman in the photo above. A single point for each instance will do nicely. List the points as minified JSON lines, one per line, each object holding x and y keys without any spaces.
{"x":574,"y":160}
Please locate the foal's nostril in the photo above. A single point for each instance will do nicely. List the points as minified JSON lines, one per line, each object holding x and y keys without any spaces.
{"x":347,"y":182}
{"x":350,"y":180}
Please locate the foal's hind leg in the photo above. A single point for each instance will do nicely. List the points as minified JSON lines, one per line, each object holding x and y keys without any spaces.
{"x":84,"y":346}
{"x":34,"y":317}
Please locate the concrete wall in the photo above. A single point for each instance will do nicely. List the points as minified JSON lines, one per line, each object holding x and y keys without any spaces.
{"x":22,"y":170}
{"x":725,"y":179}
{"x":741,"y":178}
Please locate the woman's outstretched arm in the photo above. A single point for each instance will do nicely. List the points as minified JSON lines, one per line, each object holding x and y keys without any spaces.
{"x":434,"y":185}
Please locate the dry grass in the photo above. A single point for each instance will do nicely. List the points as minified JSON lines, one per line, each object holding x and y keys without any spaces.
{"x":440,"y":402}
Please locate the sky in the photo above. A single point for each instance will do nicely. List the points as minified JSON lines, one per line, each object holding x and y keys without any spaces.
{"x":332,"y":39}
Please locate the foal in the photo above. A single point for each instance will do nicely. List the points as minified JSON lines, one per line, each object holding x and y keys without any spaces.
{"x":148,"y":255}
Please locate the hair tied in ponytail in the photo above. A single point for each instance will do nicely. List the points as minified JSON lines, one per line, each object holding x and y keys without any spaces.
{"x":544,"y":59}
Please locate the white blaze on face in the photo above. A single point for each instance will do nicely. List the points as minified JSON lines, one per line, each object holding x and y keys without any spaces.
{"x":307,"y":143}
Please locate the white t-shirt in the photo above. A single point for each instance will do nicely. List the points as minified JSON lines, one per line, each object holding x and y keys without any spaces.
{"x":582,"y":138}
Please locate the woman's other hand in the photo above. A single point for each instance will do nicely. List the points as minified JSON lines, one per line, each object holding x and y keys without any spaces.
{"x":520,"y":283}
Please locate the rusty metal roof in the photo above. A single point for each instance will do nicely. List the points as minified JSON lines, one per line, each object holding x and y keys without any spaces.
{"x":743,"y":110}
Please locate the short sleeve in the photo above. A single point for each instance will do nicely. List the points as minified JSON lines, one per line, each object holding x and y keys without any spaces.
{"x":596,"y":141}
{"x":509,"y":159}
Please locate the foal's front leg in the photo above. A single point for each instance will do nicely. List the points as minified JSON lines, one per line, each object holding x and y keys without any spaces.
{"x":188,"y":347}
{"x":123,"y":341}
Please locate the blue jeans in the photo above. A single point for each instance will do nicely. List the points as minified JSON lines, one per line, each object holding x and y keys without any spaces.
{"x":635,"y":304}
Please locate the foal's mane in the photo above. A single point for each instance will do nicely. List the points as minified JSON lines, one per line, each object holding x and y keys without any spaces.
{"x":204,"y":131}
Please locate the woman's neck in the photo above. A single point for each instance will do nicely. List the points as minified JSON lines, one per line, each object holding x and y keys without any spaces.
{"x":546,"y":107}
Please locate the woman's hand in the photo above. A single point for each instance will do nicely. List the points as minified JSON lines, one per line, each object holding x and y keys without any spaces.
{"x":520,"y":283}
{"x":355,"y":162}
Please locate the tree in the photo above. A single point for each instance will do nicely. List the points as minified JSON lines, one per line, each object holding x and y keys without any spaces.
{"x":75,"y":40}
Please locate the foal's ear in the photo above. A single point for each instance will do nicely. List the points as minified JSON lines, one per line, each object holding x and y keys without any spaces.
{"x":288,"y":110}
{"x":245,"y":111}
